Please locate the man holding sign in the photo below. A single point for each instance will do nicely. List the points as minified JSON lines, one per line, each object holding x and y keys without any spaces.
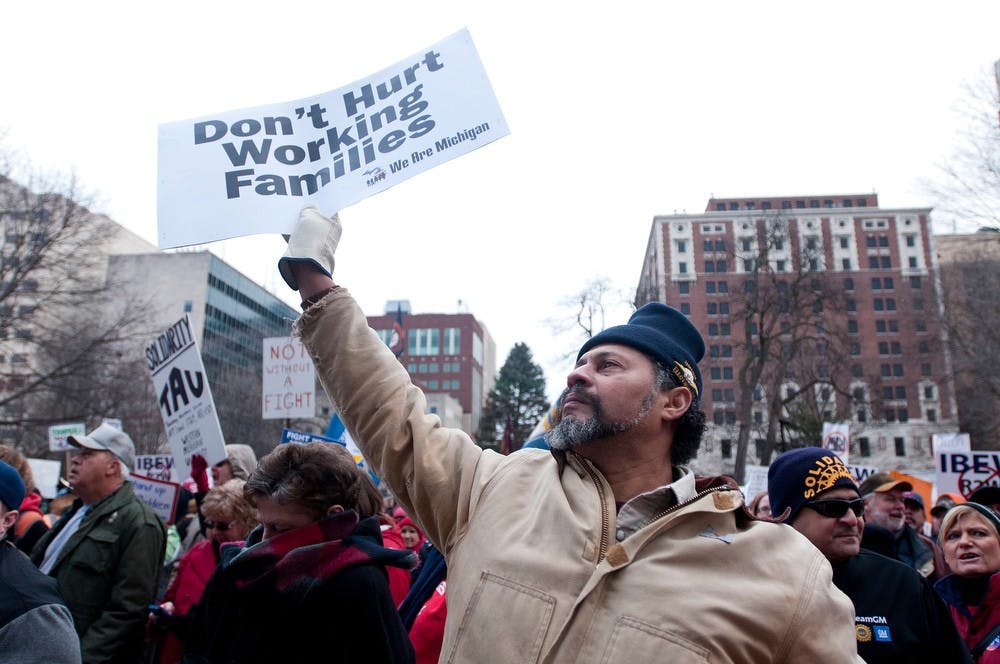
{"x":106,"y":551}
{"x":587,"y":553}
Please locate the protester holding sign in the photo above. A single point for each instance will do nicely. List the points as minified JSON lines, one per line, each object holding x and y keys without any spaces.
{"x":315,"y":586}
{"x":606,"y":549}
{"x":106,"y":551}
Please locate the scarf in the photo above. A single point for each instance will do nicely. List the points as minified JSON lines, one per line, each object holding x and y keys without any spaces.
{"x":316,"y":552}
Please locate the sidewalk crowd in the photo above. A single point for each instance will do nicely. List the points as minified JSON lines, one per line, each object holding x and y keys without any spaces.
{"x":604,"y":547}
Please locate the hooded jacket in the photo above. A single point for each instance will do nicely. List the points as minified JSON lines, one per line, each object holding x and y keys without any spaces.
{"x":534,"y":570}
{"x":243,"y":460}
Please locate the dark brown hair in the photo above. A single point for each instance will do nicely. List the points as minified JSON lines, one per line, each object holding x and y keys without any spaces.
{"x":314,"y":477}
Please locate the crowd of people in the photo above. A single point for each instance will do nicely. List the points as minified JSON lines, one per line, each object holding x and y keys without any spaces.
{"x":603,"y":547}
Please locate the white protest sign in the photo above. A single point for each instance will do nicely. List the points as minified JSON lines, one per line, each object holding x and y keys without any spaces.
{"x":836,"y":438}
{"x":251,"y":170}
{"x":155,"y":466}
{"x":861,"y":473}
{"x":184,"y":397}
{"x":159,"y":496}
{"x":950,"y":442}
{"x":289,"y":384}
{"x":756,"y":481}
{"x":58,"y":433}
{"x":964,"y":472}
{"x":46,"y":475}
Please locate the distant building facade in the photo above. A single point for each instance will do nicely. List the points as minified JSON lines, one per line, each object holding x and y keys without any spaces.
{"x":970,"y":275}
{"x":899,"y":389}
{"x":446,"y":354}
{"x":230,"y":315}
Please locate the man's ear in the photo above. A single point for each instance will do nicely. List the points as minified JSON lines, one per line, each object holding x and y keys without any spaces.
{"x":9,"y":517}
{"x":678,"y":401}
{"x":334,"y":509}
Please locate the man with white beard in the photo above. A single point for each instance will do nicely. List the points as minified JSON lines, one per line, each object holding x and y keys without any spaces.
{"x":885,"y":507}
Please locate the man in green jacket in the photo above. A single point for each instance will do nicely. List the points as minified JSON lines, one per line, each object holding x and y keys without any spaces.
{"x":106,"y":551}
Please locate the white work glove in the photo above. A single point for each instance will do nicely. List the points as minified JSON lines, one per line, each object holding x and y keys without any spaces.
{"x":313,"y":241}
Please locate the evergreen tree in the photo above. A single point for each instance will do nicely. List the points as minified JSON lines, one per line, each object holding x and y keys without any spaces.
{"x":519,"y":393}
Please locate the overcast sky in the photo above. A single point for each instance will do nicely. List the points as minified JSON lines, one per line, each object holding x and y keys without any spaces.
{"x":617,"y":113}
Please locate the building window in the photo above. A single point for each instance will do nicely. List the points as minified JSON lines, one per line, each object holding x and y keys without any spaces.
{"x":912,"y":261}
{"x":914,"y":282}
{"x":710,"y":287}
{"x":852,"y":327}
{"x":727,"y":448}
{"x":424,"y":341}
{"x":681,"y":246}
{"x":844,"y":242}
{"x":723,"y":287}
{"x":709,"y":266}
{"x":925,"y":369}
{"x":848,"y":284}
{"x":683,"y":287}
{"x":864,"y":447}
{"x":911,"y":240}
{"x":685,"y":308}
{"x":452,"y":341}
{"x":682,"y":267}
{"x":931,"y":415}
{"x":900,"y":444}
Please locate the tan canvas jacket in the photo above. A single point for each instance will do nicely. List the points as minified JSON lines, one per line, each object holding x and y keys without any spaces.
{"x":534,"y":571}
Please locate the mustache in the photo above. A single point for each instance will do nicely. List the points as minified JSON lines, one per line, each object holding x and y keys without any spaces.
{"x":579,"y":393}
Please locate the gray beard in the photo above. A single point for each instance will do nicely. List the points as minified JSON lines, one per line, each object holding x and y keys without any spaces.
{"x":571,"y":432}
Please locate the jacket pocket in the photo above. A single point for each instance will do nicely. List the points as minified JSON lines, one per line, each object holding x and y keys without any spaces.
{"x":91,"y":566}
{"x":635,"y":641}
{"x":523,"y":611}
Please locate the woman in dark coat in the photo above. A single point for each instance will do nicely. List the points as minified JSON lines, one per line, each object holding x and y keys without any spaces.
{"x":312,"y":580}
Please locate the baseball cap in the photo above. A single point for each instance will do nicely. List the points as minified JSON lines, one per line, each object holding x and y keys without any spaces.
{"x":882,"y":482}
{"x":985,"y":495}
{"x":11,"y":486}
{"x":110,"y":439}
{"x":944,"y":503}
{"x":913,"y":497}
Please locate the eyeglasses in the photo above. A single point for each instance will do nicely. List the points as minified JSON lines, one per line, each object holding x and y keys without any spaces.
{"x":213,"y":525}
{"x":834,"y":508}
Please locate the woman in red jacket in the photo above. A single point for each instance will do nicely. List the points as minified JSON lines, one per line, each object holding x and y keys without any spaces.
{"x":970,"y":537}
{"x":229,"y":517}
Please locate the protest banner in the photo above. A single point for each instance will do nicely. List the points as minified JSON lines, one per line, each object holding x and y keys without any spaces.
{"x":114,"y":422}
{"x":301,"y":437}
{"x":756,"y":481}
{"x":156,"y":466}
{"x":289,"y":381}
{"x":184,"y":397}
{"x":58,"y":433}
{"x":861,"y":473}
{"x":964,"y":472}
{"x":950,"y":442}
{"x":46,"y":475}
{"x":836,"y":438}
{"x":251,"y":170}
{"x":159,"y":496}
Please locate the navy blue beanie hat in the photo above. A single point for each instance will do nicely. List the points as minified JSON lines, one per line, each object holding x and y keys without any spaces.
{"x":11,"y":487}
{"x":664,"y":334}
{"x":800,"y":475}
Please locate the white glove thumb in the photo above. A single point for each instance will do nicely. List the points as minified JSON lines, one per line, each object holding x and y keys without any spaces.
{"x":313,"y":241}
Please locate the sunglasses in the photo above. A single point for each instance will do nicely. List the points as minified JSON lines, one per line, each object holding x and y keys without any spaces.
{"x":212,"y":525}
{"x":834,"y":508}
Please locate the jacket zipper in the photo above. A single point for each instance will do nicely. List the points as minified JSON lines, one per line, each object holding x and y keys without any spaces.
{"x":605,"y":525}
{"x":684,"y":504}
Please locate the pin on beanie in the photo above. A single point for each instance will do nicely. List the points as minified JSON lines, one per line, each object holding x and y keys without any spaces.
{"x":664,"y":334}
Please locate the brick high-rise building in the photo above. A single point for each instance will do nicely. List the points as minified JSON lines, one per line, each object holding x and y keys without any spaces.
{"x":892,"y":377}
{"x":445,"y":354}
